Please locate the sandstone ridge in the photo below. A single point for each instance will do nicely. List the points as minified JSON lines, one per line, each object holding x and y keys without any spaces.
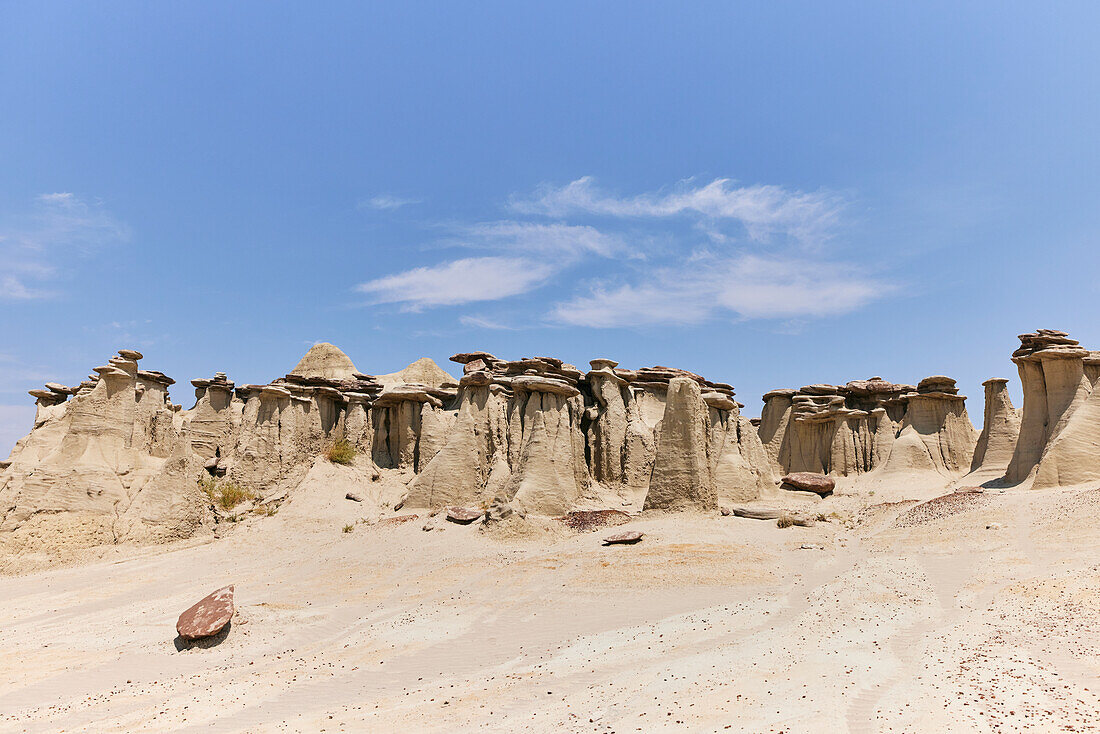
{"x":113,"y":459}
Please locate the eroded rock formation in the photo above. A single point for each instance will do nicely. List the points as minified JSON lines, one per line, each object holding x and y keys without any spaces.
{"x":935,"y":434}
{"x":114,"y":459}
{"x":865,"y":425}
{"x":832,"y":429}
{"x":115,"y":456}
{"x":1059,"y":441}
{"x":107,"y":464}
{"x":1000,"y":431}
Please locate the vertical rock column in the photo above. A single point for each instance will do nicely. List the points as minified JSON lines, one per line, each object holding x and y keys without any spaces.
{"x":550,"y":474}
{"x":1052,"y":372}
{"x":609,"y":426}
{"x":1000,"y":430}
{"x":459,"y":472}
{"x":396,"y":416}
{"x":774,"y":422}
{"x":682,"y":476}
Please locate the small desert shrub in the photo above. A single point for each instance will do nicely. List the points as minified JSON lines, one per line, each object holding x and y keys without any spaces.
{"x":785,"y":521}
{"x":225,"y":495}
{"x":348,"y":528}
{"x":230,"y":495}
{"x":341,"y":452}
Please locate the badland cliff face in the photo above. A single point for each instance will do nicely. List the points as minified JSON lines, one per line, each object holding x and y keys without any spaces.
{"x":114,"y":459}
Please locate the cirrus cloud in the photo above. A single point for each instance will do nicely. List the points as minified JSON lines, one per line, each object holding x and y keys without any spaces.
{"x":459,"y":281}
{"x":708,"y":251}
{"x":763,"y":210}
{"x":741,"y":287}
{"x":37,"y":246}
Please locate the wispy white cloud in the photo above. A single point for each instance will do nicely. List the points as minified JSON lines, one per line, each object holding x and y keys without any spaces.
{"x":38,"y":246}
{"x":764,"y":262}
{"x":479,"y":322}
{"x":763,"y":210}
{"x":744,"y":287}
{"x":383,"y":202}
{"x":530,"y":255}
{"x":13,"y":289}
{"x":559,"y":240}
{"x":459,"y":281}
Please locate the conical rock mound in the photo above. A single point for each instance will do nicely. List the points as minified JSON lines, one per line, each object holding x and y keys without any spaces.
{"x":325,"y":360}
{"x":423,"y":371}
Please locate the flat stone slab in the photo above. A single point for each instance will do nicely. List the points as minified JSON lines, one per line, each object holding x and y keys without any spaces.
{"x":463,"y":515}
{"x":208,"y":617}
{"x":399,"y":520}
{"x":809,"y":482}
{"x":627,"y":538}
{"x":757,"y":513}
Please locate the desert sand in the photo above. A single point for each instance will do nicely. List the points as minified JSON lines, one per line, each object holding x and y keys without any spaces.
{"x":911,"y":618}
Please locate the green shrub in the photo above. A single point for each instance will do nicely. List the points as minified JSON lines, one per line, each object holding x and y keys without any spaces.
{"x":230,"y":495}
{"x":785,"y":521}
{"x":225,"y":495}
{"x":341,"y":452}
{"x":348,"y":528}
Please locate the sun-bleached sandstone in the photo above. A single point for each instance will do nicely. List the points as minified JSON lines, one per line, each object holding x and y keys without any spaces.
{"x":832,"y":429}
{"x":1059,"y":442}
{"x":1000,"y":431}
{"x":113,"y":459}
{"x":683,"y":477}
{"x":935,"y":434}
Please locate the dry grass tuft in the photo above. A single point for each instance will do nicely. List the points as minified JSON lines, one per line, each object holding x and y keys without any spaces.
{"x":341,"y":452}
{"x":226,"y":495}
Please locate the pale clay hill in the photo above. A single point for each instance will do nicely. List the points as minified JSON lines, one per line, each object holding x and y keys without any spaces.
{"x":928,"y":523}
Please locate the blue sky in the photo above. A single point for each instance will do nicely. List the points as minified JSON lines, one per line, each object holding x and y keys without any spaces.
{"x":770,"y":194}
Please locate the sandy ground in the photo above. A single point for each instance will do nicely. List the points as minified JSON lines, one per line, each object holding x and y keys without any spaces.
{"x":912,"y":618}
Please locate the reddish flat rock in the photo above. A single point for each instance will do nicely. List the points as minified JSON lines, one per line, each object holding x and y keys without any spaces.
{"x":630,"y":536}
{"x":810,"y":482}
{"x":208,"y":617}
{"x":463,"y":515}
{"x":589,"y":519}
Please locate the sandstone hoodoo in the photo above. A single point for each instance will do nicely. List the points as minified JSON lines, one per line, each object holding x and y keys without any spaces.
{"x":833,"y":429}
{"x":935,"y":434}
{"x":1000,"y":431}
{"x":809,"y":482}
{"x":1059,"y":441}
{"x":682,"y":475}
{"x":208,"y":616}
{"x":114,"y":460}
